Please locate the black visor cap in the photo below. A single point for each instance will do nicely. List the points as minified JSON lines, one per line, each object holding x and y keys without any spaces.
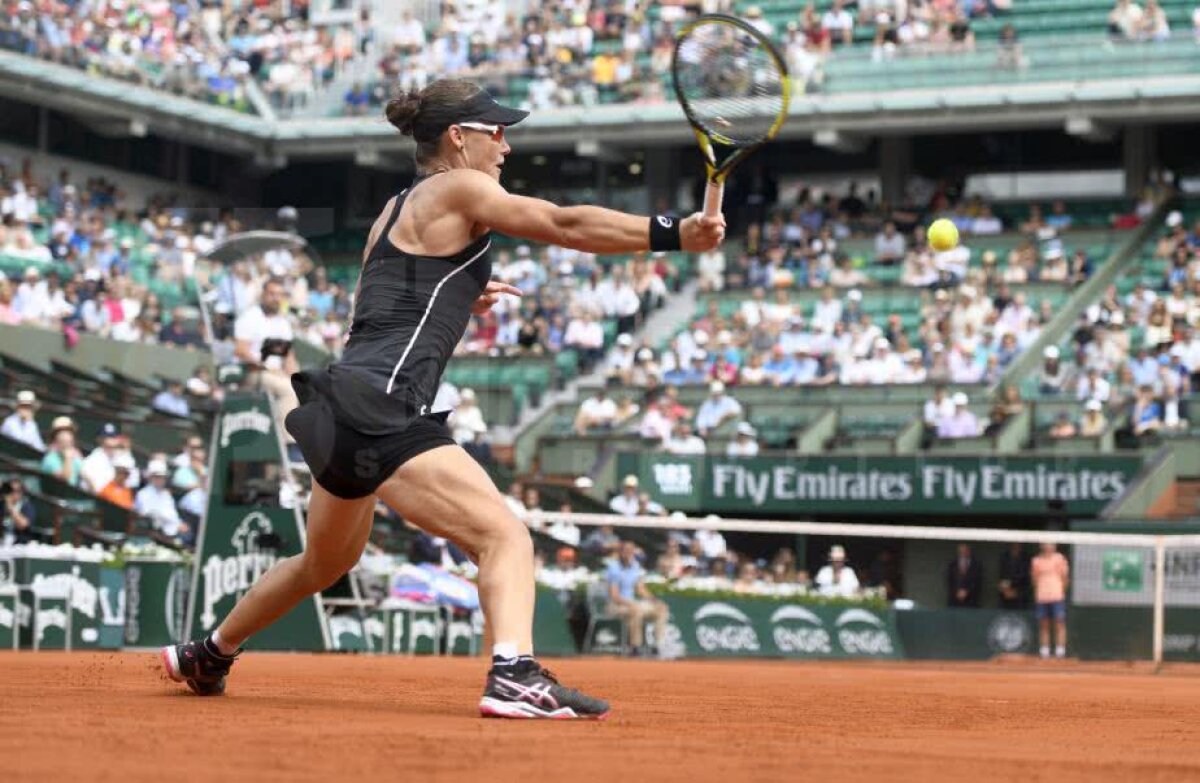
{"x":482,"y":107}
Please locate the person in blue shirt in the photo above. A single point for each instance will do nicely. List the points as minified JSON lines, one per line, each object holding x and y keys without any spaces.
{"x":629,"y":599}
{"x":717,"y":409}
{"x":781,"y":368}
{"x":1144,"y":367}
{"x":1146,"y":416}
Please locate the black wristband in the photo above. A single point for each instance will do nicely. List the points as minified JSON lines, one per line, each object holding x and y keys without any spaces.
{"x":664,"y":234}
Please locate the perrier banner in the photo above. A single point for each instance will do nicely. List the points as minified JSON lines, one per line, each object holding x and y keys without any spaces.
{"x":997,"y":486}
{"x":245,"y":530}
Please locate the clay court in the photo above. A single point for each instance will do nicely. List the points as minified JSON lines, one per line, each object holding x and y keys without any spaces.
{"x":301,"y":717}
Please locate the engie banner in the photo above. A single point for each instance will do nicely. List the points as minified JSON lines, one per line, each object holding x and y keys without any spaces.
{"x":704,"y":627}
{"x":1081,"y":486}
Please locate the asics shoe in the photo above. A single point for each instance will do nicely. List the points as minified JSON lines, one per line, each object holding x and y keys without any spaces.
{"x":525,"y":690}
{"x":198,"y":665}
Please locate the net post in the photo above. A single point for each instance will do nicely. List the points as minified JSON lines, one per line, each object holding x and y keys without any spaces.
{"x":1160,"y":561}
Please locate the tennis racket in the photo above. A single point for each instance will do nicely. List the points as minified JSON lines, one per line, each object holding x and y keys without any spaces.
{"x":733,"y":86}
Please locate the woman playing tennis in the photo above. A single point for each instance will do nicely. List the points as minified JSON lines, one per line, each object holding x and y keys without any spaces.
{"x":364,"y":423}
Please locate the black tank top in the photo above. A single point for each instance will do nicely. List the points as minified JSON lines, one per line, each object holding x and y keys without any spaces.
{"x":410,"y":313}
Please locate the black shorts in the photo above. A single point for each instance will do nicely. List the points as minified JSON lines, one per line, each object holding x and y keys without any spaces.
{"x":350,"y":463}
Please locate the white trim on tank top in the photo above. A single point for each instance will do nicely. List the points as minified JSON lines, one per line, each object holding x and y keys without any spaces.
{"x":428,"y":308}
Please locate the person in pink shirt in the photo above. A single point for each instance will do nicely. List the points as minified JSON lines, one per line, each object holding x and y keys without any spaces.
{"x":1049,"y":573}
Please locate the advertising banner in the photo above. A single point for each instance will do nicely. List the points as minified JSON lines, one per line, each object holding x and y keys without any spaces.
{"x":997,"y":486}
{"x":246,"y":529}
{"x":702,"y":627}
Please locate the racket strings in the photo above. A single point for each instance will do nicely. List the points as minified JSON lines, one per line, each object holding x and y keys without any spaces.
{"x":732,"y":84}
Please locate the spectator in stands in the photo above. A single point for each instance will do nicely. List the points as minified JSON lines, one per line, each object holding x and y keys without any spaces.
{"x":1153,"y":25}
{"x":619,"y":366}
{"x":1063,"y":427}
{"x":601,"y":542}
{"x":466,"y":421}
{"x":1052,"y":377}
{"x":597,"y":412}
{"x":117,"y":490}
{"x":838,"y":22}
{"x":19,"y":514}
{"x":683,"y":442}
{"x":586,"y":336}
{"x":171,"y":399}
{"x":1124,"y":21}
{"x":629,"y":599}
{"x":626,"y":502}
{"x":964,"y":579}
{"x":63,"y":460}
{"x":745,"y":442}
{"x":716,"y":410}
{"x":1054,"y":267}
{"x":1196,"y":23}
{"x":655,"y":425}
{"x":264,"y":338}
{"x":1146,"y":416}
{"x":1093,"y":423}
{"x":154,"y":500}
{"x":1008,"y":53}
{"x":20,"y":424}
{"x":962,"y":424}
{"x":940,"y":408}
{"x":627,"y":409}
{"x":889,"y":245}
{"x":98,"y":466}
{"x":1049,"y":573}
{"x":175,"y":332}
{"x":193,"y":473}
{"x":710,"y":267}
{"x":837,"y":580}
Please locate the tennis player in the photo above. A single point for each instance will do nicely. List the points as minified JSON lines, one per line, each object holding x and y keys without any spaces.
{"x":364,"y":423}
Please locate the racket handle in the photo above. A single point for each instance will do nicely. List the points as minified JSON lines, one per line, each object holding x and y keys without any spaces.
{"x":713,"y":195}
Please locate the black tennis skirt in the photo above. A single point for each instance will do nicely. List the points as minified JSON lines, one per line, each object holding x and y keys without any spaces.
{"x":353,"y":436}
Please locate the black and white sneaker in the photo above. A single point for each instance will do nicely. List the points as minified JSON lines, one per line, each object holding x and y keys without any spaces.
{"x":195,"y":663}
{"x":525,"y":690}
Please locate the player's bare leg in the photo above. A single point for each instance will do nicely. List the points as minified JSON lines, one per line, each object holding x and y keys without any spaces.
{"x":445,"y":492}
{"x":337,"y":533}
{"x":338,"y":530}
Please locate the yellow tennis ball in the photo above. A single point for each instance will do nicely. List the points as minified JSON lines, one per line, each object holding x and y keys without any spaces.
{"x":943,"y":235}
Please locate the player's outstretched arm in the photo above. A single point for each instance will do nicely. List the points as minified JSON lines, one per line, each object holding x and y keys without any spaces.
{"x":584,"y":228}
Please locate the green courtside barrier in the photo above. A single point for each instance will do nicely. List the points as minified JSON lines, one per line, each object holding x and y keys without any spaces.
{"x":966,"y":634}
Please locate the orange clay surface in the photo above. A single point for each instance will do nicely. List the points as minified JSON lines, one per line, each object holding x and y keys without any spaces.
{"x":113,"y":716}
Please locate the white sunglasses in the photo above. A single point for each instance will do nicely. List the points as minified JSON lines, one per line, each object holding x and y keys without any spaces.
{"x":495,"y":131}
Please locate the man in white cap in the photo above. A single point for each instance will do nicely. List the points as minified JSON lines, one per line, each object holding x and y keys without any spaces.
{"x":466,"y":422}
{"x":32,"y":300}
{"x":1052,"y":378}
{"x":626,"y":502}
{"x":20,"y":424}
{"x":155,"y":501}
{"x":837,"y":580}
{"x":98,"y":467}
{"x":963,"y":424}
{"x":717,"y":409}
{"x":1094,"y":423}
{"x":620,"y":359}
{"x":745,"y":443}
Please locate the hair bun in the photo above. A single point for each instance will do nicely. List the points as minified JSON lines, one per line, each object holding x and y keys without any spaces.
{"x":402,"y":111}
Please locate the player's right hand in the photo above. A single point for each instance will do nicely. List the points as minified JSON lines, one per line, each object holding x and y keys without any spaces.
{"x":698,"y":233}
